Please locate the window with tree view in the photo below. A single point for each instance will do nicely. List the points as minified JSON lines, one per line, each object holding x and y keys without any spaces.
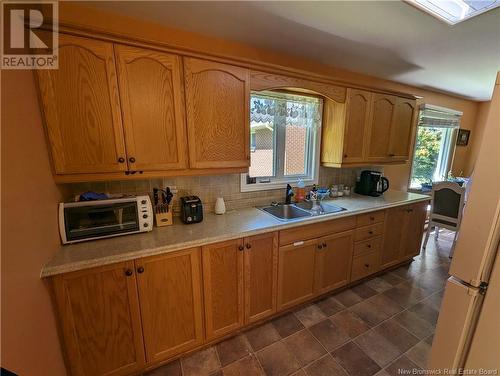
{"x":284,"y":139}
{"x":434,"y":146}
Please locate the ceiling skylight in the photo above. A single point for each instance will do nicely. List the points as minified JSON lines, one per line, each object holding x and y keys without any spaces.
{"x":455,"y":11}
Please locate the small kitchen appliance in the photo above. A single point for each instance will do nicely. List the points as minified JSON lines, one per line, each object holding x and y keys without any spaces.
{"x":371,"y":183}
{"x":191,"y":209}
{"x":90,"y":220}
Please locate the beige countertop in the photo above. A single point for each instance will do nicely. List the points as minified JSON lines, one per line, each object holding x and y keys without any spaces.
{"x":214,"y":228}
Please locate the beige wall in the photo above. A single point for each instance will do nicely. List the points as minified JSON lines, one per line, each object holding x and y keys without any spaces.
{"x":476,"y":137}
{"x":29,"y":230}
{"x":29,"y":233}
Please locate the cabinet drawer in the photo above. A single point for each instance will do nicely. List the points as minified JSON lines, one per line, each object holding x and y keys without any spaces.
{"x":316,"y":230}
{"x":367,"y":232}
{"x":365,"y":265}
{"x":370,"y":218}
{"x":367,"y":246}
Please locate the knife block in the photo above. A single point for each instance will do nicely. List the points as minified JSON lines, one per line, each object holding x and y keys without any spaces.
{"x":164,"y":219}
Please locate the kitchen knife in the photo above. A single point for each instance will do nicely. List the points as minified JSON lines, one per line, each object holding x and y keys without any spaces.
{"x":163,"y":201}
{"x":155,"y":198}
{"x":169,"y":197}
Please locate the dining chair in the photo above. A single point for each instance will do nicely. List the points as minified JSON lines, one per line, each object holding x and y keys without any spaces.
{"x":446,"y":210}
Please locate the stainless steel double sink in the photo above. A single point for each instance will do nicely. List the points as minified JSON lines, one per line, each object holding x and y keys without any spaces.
{"x":288,"y":212}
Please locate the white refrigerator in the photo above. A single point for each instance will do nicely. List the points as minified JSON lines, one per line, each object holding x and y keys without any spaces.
{"x":468,"y":329}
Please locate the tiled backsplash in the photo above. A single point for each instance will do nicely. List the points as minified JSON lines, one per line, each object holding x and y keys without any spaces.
{"x":208,"y":188}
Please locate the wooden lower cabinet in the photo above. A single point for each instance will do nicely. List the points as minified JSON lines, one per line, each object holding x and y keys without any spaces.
{"x":100,"y":320}
{"x":404,"y":227}
{"x":223,"y":287}
{"x":240,"y":282}
{"x":333,"y":261}
{"x":394,"y":223}
{"x":296,"y":273}
{"x":261,"y":268}
{"x":171,"y":303}
{"x":413,"y":230}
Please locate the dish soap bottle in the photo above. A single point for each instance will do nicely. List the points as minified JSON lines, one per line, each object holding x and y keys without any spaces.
{"x":301,"y":191}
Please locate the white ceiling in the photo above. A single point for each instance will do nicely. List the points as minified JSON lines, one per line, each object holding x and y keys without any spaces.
{"x":388,"y":39}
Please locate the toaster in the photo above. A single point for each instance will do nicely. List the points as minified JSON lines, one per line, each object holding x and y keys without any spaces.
{"x":191,"y":209}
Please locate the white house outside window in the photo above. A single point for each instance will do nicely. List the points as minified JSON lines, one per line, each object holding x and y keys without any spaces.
{"x":434,"y":145}
{"x":285,"y":133}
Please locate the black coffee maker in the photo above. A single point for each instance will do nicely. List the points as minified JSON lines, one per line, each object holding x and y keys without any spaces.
{"x":371,"y":183}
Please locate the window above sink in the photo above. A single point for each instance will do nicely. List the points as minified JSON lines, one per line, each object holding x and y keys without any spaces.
{"x":285,"y":140}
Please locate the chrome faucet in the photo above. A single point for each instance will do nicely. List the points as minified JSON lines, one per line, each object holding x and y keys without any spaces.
{"x":289,"y":194}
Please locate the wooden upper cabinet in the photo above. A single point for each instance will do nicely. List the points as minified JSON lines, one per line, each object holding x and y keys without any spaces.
{"x":217,"y":109}
{"x":382,"y":114}
{"x":171,"y":303}
{"x":152,"y":99}
{"x":100,"y":320}
{"x":223,"y":287}
{"x":401,"y":129}
{"x":81,"y":106}
{"x":296,"y":273}
{"x":368,"y":128}
{"x":393,"y":232}
{"x":413,"y":230}
{"x":261,"y":268}
{"x":356,"y":125}
{"x":333,"y":261}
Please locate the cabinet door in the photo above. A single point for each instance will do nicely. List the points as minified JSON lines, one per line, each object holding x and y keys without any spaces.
{"x":100,"y":320}
{"x":261,"y":268}
{"x":223,"y":287}
{"x":152,"y":101}
{"x":218,"y":120}
{"x":82,"y":110}
{"x":413,"y":230}
{"x":401,"y":129}
{"x":356,"y":127}
{"x":393,"y":232}
{"x":171,"y":303}
{"x":296,"y":273}
{"x":333,"y":261}
{"x":380,"y":126}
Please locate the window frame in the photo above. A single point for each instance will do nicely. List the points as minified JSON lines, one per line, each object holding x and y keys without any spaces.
{"x":313,"y":148}
{"x":449,"y":147}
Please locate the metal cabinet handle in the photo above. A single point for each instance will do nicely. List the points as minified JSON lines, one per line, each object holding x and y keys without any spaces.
{"x":140,"y":269}
{"x":324,"y":245}
{"x":392,"y":155}
{"x":121,"y":160}
{"x":368,"y":245}
{"x":129,"y":272}
{"x":370,"y":232}
{"x":320,"y":246}
{"x":367,"y":265}
{"x":241,"y":248}
{"x":248,"y":245}
{"x":131,"y":160}
{"x":372,"y":218}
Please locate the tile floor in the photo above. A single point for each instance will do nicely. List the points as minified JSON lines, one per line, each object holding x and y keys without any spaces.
{"x":377,"y":327}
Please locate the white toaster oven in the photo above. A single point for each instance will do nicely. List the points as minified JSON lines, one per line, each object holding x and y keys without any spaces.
{"x":89,"y":220}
